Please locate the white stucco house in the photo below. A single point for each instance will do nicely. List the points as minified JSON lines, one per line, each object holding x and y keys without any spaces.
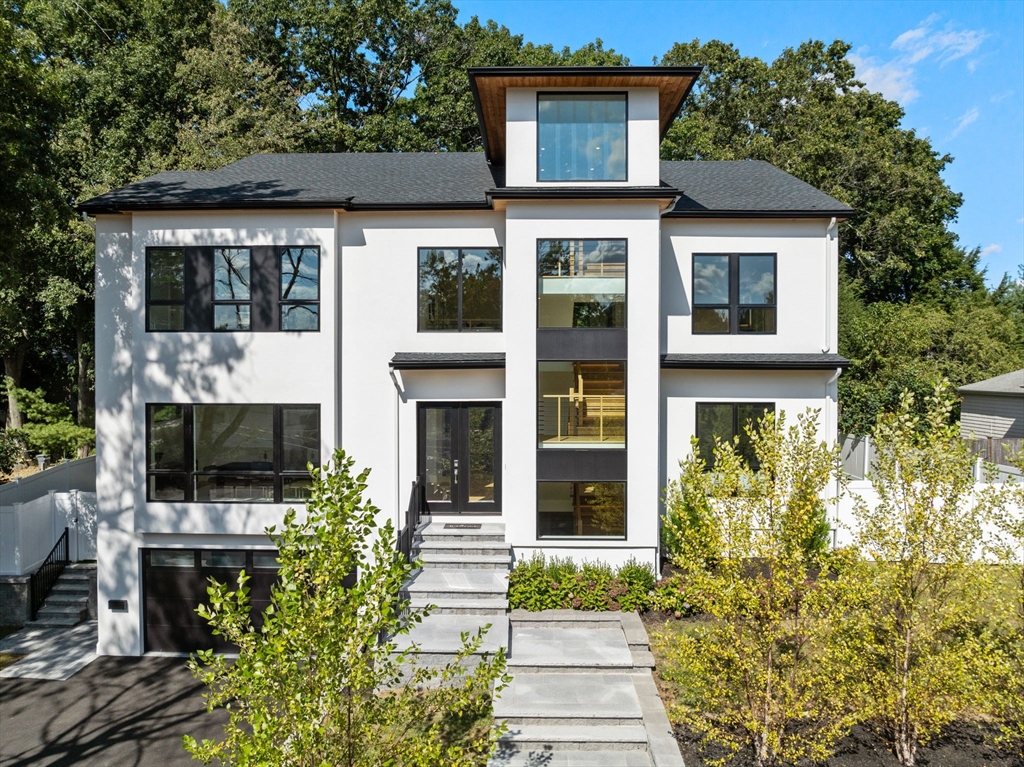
{"x":530,"y":334}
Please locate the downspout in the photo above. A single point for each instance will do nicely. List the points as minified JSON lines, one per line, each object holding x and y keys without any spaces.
{"x":828,"y":287}
{"x":89,"y":221}
{"x":834,"y":431}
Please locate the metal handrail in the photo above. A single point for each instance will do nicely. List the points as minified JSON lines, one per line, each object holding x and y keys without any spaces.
{"x":42,"y":580}
{"x":412,"y":519}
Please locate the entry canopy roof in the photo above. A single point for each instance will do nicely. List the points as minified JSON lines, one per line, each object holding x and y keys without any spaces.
{"x":490,"y":83}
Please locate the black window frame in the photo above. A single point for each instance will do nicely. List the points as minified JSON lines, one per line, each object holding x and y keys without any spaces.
{"x":190,"y":473}
{"x":150,"y":301}
{"x":625,"y":293}
{"x":286,"y":302}
{"x":737,"y":428}
{"x":215,"y":302}
{"x":624,"y":179}
{"x":734,"y":307}
{"x":576,"y":483}
{"x":460,"y":329}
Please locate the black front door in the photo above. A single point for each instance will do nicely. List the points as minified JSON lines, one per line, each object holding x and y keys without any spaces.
{"x":459,"y":456}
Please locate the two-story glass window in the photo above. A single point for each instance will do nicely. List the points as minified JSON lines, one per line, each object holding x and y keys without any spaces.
{"x":734,"y":293}
{"x":581,"y":404}
{"x":726,"y":421}
{"x":460,"y":289}
{"x":581,"y":283}
{"x":581,"y":137}
{"x":231,"y":453}
{"x":300,"y":289}
{"x":232,"y":290}
{"x":165,"y":289}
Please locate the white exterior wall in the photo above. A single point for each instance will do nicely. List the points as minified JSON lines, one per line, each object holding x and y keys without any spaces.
{"x":642,"y":143}
{"x":379,"y":317}
{"x":222,"y":368}
{"x":806,"y":283}
{"x":793,"y":392}
{"x":638,"y":223}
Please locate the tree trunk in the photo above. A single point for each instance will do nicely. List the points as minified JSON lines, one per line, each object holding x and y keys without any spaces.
{"x":85,"y":396}
{"x":906,"y":743}
{"x":762,"y":755}
{"x":13,"y":365}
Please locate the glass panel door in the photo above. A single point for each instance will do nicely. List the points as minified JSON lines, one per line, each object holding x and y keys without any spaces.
{"x":459,"y":456}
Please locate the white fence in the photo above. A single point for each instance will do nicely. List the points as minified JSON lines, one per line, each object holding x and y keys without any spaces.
{"x":35,"y":510}
{"x":62,"y":478}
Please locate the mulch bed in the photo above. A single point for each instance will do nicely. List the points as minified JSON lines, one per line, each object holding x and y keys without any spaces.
{"x":961,"y":745}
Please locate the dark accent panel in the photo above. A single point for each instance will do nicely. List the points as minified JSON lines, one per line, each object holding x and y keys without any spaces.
{"x":265,"y":279}
{"x":199,"y":289}
{"x":581,"y":465}
{"x":580,"y":344}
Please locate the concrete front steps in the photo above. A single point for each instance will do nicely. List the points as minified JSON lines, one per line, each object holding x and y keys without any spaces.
{"x":463,"y":580}
{"x":582,"y":694}
{"x":68,"y":601}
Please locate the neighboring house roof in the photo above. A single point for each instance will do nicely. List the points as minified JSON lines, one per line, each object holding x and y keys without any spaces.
{"x":450,"y":181}
{"x":749,"y":361}
{"x":1008,"y":384}
{"x":447,"y":360}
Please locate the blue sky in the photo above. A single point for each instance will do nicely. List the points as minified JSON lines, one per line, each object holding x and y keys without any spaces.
{"x":957,"y":68}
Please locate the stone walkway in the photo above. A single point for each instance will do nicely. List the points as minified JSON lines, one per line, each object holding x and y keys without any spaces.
{"x":582,"y":694}
{"x":54,"y":654}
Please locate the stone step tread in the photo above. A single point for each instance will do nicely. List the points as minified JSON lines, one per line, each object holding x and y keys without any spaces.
{"x":77,"y":575}
{"x":575,"y":758}
{"x":442,"y":633}
{"x":458,"y":581}
{"x":433,"y":545}
{"x":569,"y":695}
{"x":57,"y":620}
{"x":563,"y":734}
{"x":591,"y":648}
{"x":420,"y":603}
{"x":62,"y":609}
{"x":64,"y":598}
{"x":62,"y":585}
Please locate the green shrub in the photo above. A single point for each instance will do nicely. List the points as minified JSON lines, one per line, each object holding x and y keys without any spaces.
{"x":559,"y":583}
{"x":50,"y":428}
{"x":10,"y":451}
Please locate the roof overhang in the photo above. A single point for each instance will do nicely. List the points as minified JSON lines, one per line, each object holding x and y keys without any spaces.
{"x":490,"y":83}
{"x":664,"y":195}
{"x":753,"y":362}
{"x":447,"y":360}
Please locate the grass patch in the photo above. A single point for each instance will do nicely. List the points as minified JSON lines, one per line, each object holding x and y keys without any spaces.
{"x":7,"y":658}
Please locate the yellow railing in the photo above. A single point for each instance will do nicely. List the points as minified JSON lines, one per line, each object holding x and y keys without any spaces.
{"x":589,"y":406}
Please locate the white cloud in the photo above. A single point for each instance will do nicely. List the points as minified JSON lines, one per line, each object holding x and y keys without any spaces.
{"x":1001,"y":96}
{"x":968,"y":117}
{"x":990,"y":249}
{"x":894,"y":79}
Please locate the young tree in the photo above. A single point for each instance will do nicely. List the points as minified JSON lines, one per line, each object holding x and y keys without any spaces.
{"x":753,"y":675}
{"x":319,"y":680}
{"x":920,"y":640}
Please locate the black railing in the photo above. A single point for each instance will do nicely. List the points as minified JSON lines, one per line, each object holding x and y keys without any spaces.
{"x":412,"y":520}
{"x":42,"y":580}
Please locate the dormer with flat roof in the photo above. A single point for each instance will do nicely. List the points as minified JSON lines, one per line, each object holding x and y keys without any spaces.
{"x":578,"y":126}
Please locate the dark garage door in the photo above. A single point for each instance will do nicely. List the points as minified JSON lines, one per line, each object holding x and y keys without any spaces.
{"x":174,"y":584}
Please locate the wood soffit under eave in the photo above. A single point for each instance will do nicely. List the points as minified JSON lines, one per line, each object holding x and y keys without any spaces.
{"x":491,"y":93}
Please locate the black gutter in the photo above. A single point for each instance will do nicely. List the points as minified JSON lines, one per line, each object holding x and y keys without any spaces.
{"x":753,"y":361}
{"x":839,"y":214}
{"x":447,"y":361}
{"x":129,"y":205}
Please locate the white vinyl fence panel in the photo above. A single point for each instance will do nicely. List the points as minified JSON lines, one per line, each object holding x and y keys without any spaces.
{"x":29,"y":530}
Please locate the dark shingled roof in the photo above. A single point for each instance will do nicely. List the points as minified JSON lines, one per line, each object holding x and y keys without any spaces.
{"x":445,"y":181}
{"x":1008,"y":383}
{"x":754,"y":361}
{"x":442,"y":360}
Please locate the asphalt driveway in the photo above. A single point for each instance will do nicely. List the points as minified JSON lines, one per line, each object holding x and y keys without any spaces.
{"x":115,"y":711}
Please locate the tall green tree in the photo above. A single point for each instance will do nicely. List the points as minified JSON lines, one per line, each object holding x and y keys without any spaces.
{"x":807,"y":114}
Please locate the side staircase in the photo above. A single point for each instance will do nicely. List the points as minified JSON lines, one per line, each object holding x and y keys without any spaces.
{"x":463,"y":574}
{"x":68,"y":601}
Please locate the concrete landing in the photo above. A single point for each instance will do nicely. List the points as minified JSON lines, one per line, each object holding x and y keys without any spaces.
{"x":54,"y":654}
{"x":548,"y":649}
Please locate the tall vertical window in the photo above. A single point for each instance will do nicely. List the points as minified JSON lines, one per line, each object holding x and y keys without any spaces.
{"x":581,"y":283}
{"x":300,"y":289}
{"x":165,"y":289}
{"x":581,"y":137}
{"x":581,"y":404}
{"x":581,"y":509}
{"x":232,"y":291}
{"x":734,"y":293}
{"x":230,"y":453}
{"x":727,"y":420}
{"x":460,"y":289}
